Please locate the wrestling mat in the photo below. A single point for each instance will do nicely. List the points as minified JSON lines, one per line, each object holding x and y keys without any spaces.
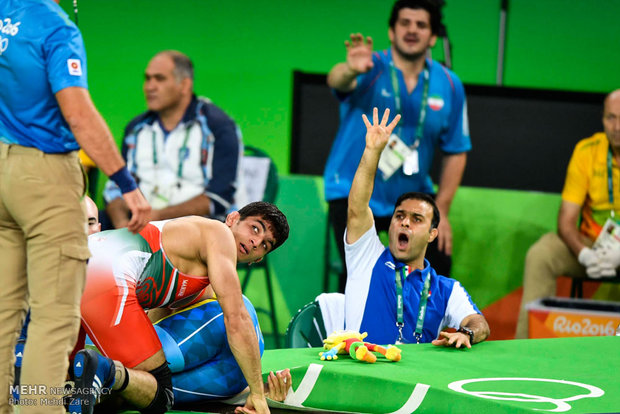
{"x":572,"y":375}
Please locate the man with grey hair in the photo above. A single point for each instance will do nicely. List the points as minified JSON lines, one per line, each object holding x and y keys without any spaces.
{"x":184,"y":151}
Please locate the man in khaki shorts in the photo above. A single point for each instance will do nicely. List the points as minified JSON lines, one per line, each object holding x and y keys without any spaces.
{"x":46,"y":114}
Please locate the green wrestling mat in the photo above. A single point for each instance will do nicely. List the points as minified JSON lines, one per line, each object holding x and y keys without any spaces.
{"x":574,"y":375}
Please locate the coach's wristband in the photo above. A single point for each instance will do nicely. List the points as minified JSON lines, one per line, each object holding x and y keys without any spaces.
{"x":124,"y":180}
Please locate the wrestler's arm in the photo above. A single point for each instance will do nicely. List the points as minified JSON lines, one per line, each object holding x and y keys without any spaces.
{"x":217,"y":248}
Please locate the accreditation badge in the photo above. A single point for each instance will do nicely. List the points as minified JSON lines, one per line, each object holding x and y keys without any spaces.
{"x":393,"y":156}
{"x":412,"y":163}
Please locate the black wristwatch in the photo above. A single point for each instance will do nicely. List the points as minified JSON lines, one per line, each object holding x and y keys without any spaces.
{"x":467,"y":331}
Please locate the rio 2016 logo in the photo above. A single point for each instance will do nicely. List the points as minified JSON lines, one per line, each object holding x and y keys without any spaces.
{"x":582,"y":326}
{"x":9,"y":29}
{"x":561,"y":404}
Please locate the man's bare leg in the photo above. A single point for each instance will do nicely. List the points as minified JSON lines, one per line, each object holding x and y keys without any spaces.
{"x":141,"y":384}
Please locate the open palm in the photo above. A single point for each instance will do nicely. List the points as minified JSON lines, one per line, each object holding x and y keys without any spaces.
{"x":378,"y":133}
{"x":359,"y":53}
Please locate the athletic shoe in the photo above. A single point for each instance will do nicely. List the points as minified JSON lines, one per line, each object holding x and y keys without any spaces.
{"x":94,"y":376}
{"x":19,"y":352}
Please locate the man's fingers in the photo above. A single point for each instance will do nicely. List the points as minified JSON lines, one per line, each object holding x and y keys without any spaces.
{"x":366,"y":121}
{"x":386,"y":116}
{"x":392,"y":124}
{"x":375,"y":115}
{"x":356,"y":38}
{"x":369,"y":41}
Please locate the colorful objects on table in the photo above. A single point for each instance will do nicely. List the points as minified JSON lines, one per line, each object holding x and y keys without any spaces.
{"x":352,"y":343}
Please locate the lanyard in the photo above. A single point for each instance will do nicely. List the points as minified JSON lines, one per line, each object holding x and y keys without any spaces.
{"x":182,"y":154}
{"x":400,"y":323}
{"x":610,"y":182}
{"x":395,"y":85}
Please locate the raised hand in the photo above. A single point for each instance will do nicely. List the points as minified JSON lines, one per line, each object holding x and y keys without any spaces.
{"x":359,"y":53}
{"x":378,"y":134}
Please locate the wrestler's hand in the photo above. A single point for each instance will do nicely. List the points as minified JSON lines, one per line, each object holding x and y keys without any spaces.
{"x":254,"y":404}
{"x":278,"y":385}
{"x":455,"y":339}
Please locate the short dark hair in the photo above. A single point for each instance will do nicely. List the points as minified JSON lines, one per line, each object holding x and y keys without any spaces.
{"x":413,"y":195}
{"x":272,"y":215}
{"x":433,"y":7}
{"x":183,"y":66}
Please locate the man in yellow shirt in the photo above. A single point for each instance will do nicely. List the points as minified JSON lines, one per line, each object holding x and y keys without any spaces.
{"x":590,"y":196}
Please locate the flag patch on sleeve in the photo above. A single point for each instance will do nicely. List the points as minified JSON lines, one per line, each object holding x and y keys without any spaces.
{"x":75,"y":67}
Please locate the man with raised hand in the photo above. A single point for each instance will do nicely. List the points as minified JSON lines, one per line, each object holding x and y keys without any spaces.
{"x":393,"y":293}
{"x":431,"y":100}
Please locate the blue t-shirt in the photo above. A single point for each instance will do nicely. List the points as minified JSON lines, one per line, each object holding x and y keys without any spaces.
{"x":370,"y":295}
{"x":445,"y":126}
{"x":41,"y":53}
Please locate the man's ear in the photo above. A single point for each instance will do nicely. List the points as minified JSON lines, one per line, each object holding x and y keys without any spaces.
{"x":187,"y":85}
{"x":433,"y":40}
{"x":232,"y":218}
{"x":391,"y":35}
{"x":433,"y":234}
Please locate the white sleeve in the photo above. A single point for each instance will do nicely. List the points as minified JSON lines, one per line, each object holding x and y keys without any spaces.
{"x":459,"y":307}
{"x":361,"y":258}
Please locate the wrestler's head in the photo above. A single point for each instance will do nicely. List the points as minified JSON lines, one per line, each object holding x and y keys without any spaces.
{"x":92,"y":215}
{"x":258,"y":228}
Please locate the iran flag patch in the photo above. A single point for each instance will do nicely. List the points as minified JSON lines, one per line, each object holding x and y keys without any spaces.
{"x":435,"y":102}
{"x":75,"y":67}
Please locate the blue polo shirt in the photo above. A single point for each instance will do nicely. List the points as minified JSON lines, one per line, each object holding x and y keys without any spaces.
{"x":370,"y":295}
{"x":445,"y":127}
{"x":41,"y":53}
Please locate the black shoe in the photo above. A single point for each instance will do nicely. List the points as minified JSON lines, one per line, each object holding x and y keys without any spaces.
{"x":94,"y":376}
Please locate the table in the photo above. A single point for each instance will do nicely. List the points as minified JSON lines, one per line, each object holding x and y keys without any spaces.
{"x":575,"y":375}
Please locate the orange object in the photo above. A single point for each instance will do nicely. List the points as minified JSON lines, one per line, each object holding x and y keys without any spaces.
{"x":557,"y":318}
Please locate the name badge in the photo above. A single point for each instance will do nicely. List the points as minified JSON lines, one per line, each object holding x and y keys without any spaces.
{"x":394,"y":155}
{"x":411,"y":165}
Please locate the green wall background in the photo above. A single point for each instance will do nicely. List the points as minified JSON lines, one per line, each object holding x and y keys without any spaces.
{"x":245,"y":53}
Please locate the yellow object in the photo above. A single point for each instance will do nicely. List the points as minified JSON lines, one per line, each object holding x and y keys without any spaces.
{"x":85,"y":160}
{"x":338,"y":337}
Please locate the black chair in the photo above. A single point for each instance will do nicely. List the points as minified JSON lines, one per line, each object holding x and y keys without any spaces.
{"x":260,"y":178}
{"x":576,"y":287}
{"x":306,"y":329}
{"x":309,"y":327}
